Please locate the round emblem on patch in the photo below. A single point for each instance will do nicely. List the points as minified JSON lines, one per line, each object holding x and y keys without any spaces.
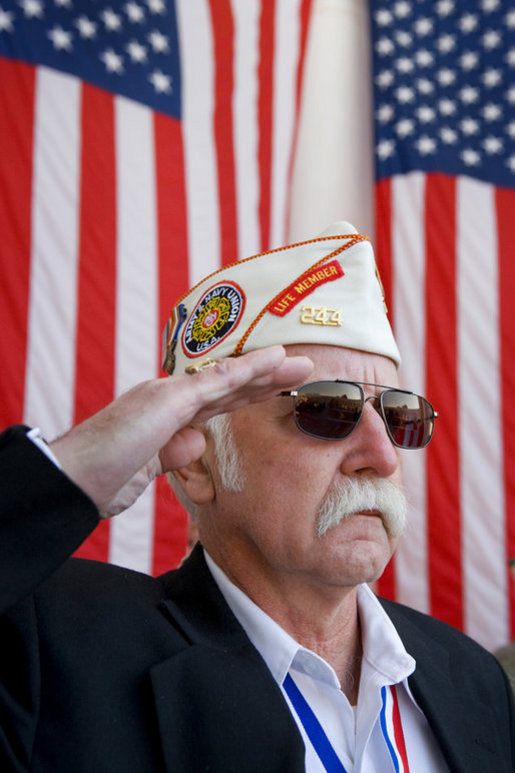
{"x":214,"y":317}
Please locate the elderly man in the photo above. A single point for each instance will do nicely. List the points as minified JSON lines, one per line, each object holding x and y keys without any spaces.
{"x":266,"y":651}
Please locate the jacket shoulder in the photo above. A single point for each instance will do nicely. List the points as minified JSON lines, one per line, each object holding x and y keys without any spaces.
{"x":432,"y":642}
{"x":412,"y":623}
{"x":78,"y":579}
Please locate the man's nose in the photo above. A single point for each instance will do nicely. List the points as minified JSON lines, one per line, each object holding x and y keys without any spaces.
{"x":369,"y":448}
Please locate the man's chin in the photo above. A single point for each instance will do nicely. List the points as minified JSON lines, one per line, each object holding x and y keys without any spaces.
{"x":352,"y":564}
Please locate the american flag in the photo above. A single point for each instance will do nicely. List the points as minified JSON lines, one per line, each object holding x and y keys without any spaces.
{"x":444,"y":112}
{"x":143,"y":144}
{"x":146,"y":143}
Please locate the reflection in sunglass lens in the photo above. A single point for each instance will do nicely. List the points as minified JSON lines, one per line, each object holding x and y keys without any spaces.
{"x":409,"y":418}
{"x":327,"y":409}
{"x":332,"y":409}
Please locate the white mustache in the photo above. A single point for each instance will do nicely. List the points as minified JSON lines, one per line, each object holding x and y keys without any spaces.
{"x":354,"y":495}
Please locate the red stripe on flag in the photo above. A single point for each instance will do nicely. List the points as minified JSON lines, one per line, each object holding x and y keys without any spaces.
{"x":505,"y":203}
{"x":223,"y":35}
{"x":442,"y":461}
{"x":398,"y":731}
{"x":95,"y":350}
{"x":383,"y":216}
{"x":305,"y":15}
{"x":265,"y":113}
{"x":170,"y":519}
{"x":17,"y":85}
{"x":96,"y":306}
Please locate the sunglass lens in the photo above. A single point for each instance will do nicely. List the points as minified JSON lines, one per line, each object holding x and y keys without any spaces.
{"x":409,"y":418}
{"x":328,"y":410}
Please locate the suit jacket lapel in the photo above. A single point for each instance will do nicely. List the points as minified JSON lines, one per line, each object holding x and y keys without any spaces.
{"x":218,"y":706}
{"x":468,"y":740}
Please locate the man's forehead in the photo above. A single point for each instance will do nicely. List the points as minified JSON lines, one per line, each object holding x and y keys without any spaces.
{"x":339,"y":362}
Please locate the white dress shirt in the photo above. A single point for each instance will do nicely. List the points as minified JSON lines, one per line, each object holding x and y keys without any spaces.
{"x":354,"y":732}
{"x":37,"y":438}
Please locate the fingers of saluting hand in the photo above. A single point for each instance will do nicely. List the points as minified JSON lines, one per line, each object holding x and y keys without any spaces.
{"x":230,"y":384}
{"x":158,"y":409}
{"x":237,"y":381}
{"x":104,"y":452}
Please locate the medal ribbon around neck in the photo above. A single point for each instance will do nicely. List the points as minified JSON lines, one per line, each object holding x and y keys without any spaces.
{"x":391,"y":728}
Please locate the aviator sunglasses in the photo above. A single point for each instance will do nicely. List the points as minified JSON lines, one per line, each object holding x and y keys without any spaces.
{"x":331,"y":410}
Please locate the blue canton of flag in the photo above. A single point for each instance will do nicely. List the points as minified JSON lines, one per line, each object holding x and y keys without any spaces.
{"x":125,"y":48}
{"x":443,"y":87}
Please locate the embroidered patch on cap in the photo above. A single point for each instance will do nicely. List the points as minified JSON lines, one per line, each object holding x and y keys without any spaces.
{"x":303,"y":286}
{"x":214,"y":317}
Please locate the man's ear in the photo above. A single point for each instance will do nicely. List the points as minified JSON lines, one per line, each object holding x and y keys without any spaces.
{"x":196,"y":482}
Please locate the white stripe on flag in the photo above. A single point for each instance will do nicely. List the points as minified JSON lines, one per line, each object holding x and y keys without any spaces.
{"x":246,"y":61}
{"x":412,"y":583}
{"x":199,"y":144}
{"x":286,"y":55}
{"x":484,"y":562}
{"x":137,"y":300}
{"x":53,"y":286}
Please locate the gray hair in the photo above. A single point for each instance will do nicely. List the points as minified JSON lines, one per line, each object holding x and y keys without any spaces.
{"x":227,"y":457}
{"x":354,"y":495}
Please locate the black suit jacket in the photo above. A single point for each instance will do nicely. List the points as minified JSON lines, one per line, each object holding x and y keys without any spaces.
{"x":105,"y":669}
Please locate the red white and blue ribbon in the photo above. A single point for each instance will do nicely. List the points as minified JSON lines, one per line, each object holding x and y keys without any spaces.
{"x":390,"y":721}
{"x":320,"y":742}
{"x":391,"y":727}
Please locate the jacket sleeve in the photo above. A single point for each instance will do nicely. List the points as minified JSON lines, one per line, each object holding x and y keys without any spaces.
{"x":44,"y":516}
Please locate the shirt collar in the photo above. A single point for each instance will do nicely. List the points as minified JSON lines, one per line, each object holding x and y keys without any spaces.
{"x":382,"y":646}
{"x":383,"y":649}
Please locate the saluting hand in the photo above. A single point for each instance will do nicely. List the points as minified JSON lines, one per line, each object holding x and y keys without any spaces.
{"x":116,"y":453}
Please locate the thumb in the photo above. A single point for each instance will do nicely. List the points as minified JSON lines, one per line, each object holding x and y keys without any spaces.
{"x":186,"y":446}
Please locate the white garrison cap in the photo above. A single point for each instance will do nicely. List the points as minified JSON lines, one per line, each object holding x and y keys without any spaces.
{"x":325,"y":290}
